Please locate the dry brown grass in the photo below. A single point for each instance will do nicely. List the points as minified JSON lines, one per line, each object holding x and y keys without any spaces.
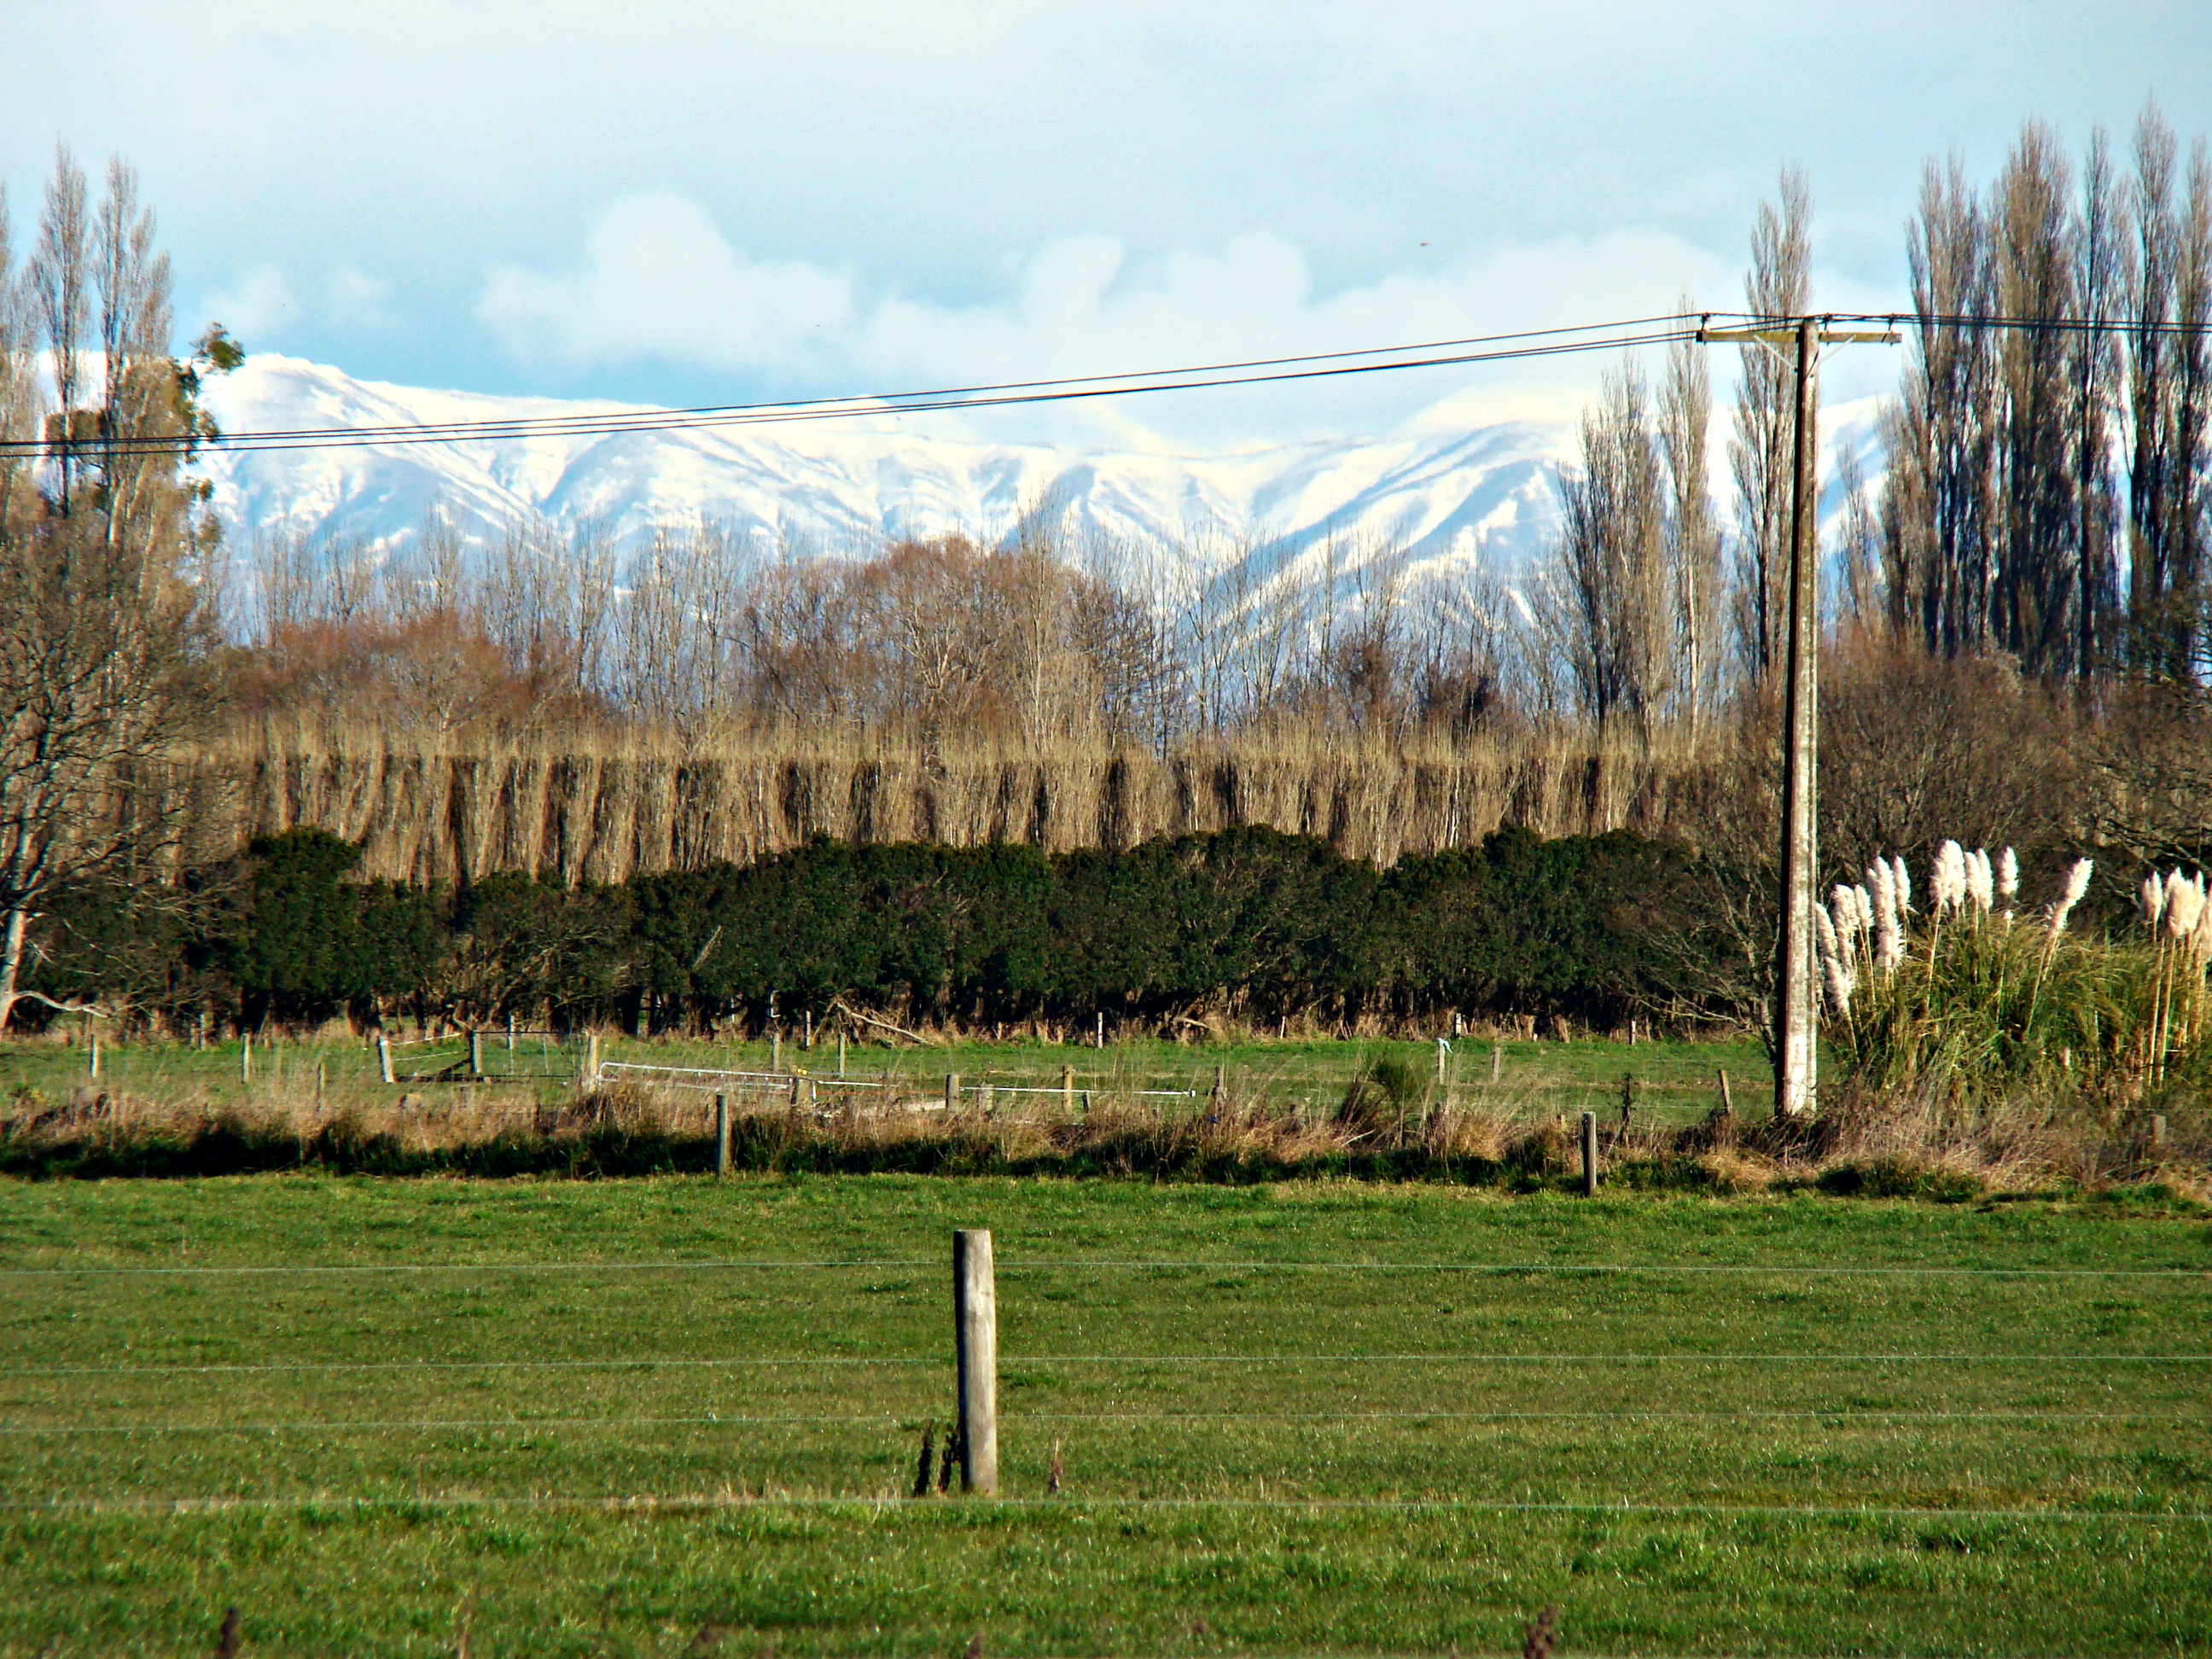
{"x":1901,"y":1151}
{"x":601,"y":807}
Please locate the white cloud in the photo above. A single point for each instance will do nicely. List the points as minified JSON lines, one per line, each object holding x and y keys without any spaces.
{"x":657,"y":282}
{"x":257,"y":304}
{"x":354,"y":299}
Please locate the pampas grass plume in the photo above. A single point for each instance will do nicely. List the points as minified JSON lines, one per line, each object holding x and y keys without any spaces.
{"x":2077,"y":884}
{"x":2185,"y":905}
{"x":2007,"y":877}
{"x":1981,"y":881}
{"x":2150,"y":901}
{"x":1902,"y":872}
{"x":1947,"y":877}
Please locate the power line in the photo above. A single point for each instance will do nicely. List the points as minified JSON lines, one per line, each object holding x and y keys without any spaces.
{"x":1519,"y":345}
{"x":723,"y":417}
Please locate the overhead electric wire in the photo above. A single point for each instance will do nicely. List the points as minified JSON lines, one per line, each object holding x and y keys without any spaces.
{"x":1195,"y":377}
{"x":1513,"y":346}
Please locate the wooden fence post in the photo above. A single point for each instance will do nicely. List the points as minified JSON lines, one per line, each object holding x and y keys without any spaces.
{"x":841,"y":1051}
{"x":383,"y":1058}
{"x":1496,"y":1058}
{"x":1589,"y":1154}
{"x":975,"y":1349}
{"x":1728,"y":1095}
{"x":476,"y":1052}
{"x":91,"y":1055}
{"x":1068,"y":1088}
{"x":592,"y":1059}
{"x":1098,"y":1040}
{"x":722,"y":1136}
{"x":246,"y":1058}
{"x":775,"y":1050}
{"x":952,"y":1092}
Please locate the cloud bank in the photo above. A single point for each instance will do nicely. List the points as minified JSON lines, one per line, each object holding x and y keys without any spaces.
{"x":657,"y":280}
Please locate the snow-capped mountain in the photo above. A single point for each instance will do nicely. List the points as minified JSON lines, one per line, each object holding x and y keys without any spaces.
{"x":849,"y":484}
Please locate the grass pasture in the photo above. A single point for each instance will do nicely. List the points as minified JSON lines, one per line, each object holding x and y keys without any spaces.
{"x":1674,"y":1081}
{"x":666,"y":1416}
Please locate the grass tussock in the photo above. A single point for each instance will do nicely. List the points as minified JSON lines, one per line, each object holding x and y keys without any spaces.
{"x":1387,"y":1128}
{"x":1978,"y":1001}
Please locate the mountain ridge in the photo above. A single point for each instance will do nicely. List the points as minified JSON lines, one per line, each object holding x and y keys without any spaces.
{"x":1486,"y":495}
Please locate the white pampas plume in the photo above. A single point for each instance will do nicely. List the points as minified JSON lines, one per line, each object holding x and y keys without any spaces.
{"x":1981,"y":881}
{"x":2077,"y":884}
{"x":2181,"y":905}
{"x":1947,"y":877}
{"x":1843,"y":903}
{"x":1883,"y":884}
{"x":1888,"y":931}
{"x":2007,"y":877}
{"x":2184,"y":906}
{"x":1903,"y":873}
{"x":2150,"y":901}
{"x":1863,"y":901}
{"x":1841,"y":980}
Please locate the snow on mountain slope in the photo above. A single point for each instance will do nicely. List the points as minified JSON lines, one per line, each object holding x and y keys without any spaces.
{"x":847,"y":484}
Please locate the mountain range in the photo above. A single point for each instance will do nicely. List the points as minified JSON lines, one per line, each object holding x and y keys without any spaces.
{"x":1487,"y":494}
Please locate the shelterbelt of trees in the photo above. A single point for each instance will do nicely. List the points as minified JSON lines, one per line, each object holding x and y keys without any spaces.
{"x":1251,"y":923}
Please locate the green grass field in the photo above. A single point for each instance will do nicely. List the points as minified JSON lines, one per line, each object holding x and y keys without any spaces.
{"x":1673,"y":1081}
{"x":666,"y":1416}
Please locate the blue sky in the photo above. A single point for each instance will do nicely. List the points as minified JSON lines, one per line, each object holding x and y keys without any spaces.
{"x":685,"y":203}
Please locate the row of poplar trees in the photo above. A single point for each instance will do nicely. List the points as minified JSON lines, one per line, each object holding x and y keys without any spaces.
{"x":2044,"y":484}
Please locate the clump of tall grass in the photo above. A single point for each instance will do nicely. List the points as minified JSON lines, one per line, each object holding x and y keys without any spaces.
{"x":1973,"y":1000}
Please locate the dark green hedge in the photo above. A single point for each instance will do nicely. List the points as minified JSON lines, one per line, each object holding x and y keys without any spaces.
{"x":1271,"y":924}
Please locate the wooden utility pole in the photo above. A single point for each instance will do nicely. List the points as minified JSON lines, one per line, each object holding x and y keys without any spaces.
{"x":1797,"y":972}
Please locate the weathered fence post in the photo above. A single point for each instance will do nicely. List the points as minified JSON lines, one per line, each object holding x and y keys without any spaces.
{"x":591,"y":1058}
{"x":476,"y":1052}
{"x":1589,"y":1154}
{"x":383,"y":1058}
{"x":952,"y":1092}
{"x":1497,"y":1060}
{"x":722,"y":1136}
{"x":841,"y":1051}
{"x":775,"y":1050}
{"x":984,"y":1098}
{"x":246,"y":1058}
{"x":91,"y":1055}
{"x":1068,"y":1088}
{"x":1728,"y":1095}
{"x":975,"y":1349}
{"x":1444,"y":1048}
{"x":1098,"y":1040}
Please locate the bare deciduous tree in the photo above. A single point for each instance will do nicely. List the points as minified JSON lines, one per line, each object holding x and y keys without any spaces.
{"x":1779,"y":284}
{"x":95,"y":540}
